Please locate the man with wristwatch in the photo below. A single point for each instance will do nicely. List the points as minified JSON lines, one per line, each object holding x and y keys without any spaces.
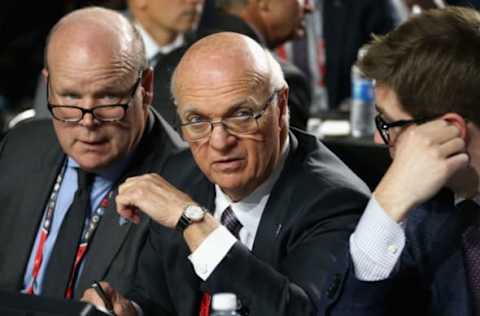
{"x":262,"y":209}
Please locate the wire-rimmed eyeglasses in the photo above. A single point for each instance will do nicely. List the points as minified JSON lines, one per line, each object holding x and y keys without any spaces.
{"x":241,"y":123}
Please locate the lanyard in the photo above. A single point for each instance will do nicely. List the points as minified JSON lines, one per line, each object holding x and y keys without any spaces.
{"x":87,"y":234}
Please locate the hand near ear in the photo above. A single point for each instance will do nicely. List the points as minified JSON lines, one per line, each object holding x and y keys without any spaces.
{"x":425,"y":158}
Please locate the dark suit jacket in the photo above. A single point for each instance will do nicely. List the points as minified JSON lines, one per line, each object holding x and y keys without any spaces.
{"x":30,"y":158}
{"x":299,"y":98}
{"x":310,"y":213}
{"x":347,"y":25}
{"x":431,"y":279}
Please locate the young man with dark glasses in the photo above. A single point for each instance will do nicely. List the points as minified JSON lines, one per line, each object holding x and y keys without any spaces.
{"x":416,"y":249}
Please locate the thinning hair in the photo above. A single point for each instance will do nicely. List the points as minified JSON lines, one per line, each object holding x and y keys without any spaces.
{"x":432,"y":62}
{"x":137,"y":47}
{"x":276,"y":80}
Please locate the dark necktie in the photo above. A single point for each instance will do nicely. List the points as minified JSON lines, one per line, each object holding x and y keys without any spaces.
{"x":471,"y":245}
{"x":61,"y":261}
{"x":231,"y":222}
{"x":155,"y":60}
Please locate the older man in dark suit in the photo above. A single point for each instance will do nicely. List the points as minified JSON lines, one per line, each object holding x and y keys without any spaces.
{"x":58,"y":226}
{"x":264,"y":209}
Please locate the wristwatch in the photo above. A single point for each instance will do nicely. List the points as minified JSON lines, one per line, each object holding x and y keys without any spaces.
{"x":191,"y":214}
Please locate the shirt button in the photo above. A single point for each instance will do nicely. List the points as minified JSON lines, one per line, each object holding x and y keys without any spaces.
{"x":202,"y":268}
{"x":393,"y":249}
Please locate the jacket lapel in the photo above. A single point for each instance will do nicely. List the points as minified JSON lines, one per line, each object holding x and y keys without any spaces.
{"x":445,"y":265}
{"x":275,"y":213}
{"x":36,"y":187}
{"x":107,"y":241}
{"x":113,"y":230}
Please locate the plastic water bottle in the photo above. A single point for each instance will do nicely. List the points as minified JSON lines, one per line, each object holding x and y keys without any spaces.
{"x":362,"y":109}
{"x":225,"y":304}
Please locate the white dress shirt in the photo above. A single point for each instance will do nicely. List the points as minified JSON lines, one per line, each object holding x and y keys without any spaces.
{"x":152,"y":48}
{"x":248,"y":211}
{"x":377,"y":242}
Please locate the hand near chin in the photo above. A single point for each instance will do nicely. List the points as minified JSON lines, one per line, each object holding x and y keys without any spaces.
{"x":425,"y":158}
{"x":154,"y":196}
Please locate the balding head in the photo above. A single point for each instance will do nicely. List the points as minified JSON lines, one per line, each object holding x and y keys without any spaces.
{"x":276,"y":21}
{"x":232,"y":101}
{"x":228,"y":57}
{"x":90,"y":30}
{"x":97,"y":79}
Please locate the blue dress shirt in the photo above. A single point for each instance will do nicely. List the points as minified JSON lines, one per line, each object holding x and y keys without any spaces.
{"x":104,"y":180}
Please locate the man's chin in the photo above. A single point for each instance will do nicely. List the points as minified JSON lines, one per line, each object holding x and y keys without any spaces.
{"x":91,"y":162}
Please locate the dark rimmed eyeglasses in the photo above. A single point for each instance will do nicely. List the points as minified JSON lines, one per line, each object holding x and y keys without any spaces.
{"x":102,"y":113}
{"x":242,"y":123}
{"x":383,"y":127}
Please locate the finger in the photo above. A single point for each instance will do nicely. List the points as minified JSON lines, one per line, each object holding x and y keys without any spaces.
{"x":90,"y":296}
{"x":131,"y":214}
{"x":452,"y":147}
{"x":457,"y":162}
{"x":441,"y":130}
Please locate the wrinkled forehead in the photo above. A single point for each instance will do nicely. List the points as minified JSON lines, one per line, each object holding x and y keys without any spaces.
{"x":219,"y":91}
{"x":107,"y":61}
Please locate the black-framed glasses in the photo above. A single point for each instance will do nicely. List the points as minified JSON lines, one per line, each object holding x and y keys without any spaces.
{"x":102,"y":113}
{"x":243,"y":123}
{"x":383,"y":127}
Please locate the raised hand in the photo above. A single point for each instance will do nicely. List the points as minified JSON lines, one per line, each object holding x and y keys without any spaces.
{"x":425,"y":157}
{"x":154,"y":196}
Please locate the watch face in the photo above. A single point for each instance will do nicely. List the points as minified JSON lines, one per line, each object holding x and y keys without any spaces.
{"x":194,"y":213}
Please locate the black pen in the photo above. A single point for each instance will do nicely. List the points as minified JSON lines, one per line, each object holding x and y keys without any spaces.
{"x":108,"y":305}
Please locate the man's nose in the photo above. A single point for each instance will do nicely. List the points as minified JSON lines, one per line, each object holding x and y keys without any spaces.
{"x":220,"y":138}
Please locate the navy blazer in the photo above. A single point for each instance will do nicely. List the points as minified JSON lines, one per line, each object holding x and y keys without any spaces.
{"x":430,"y":280}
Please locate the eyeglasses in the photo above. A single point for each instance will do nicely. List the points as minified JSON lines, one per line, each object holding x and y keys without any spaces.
{"x":383,"y":127}
{"x":243,"y":123}
{"x":102,"y":113}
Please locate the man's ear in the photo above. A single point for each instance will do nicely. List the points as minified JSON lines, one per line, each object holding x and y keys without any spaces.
{"x":457,"y":120}
{"x":147,"y":85}
{"x":45,"y":73}
{"x":283,"y":107}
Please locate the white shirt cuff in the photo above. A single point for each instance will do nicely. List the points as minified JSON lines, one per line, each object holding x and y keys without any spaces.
{"x":211,"y":252}
{"x":376,"y":244}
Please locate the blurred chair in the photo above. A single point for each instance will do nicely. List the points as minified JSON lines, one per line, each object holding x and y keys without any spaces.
{"x":20,"y":118}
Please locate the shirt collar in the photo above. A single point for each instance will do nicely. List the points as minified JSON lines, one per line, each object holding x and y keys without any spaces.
{"x":110,"y":173}
{"x":152,"y":48}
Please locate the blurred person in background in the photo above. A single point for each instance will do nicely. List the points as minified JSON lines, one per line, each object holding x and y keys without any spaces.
{"x":335,"y":31}
{"x":270,"y":23}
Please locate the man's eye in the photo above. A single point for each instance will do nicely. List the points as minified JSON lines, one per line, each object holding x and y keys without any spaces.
{"x":70,"y":97}
{"x":242,"y":113}
{"x":195,"y":119}
{"x":110,"y":99}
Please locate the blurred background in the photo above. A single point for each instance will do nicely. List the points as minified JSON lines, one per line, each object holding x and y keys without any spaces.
{"x":335,"y":31}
